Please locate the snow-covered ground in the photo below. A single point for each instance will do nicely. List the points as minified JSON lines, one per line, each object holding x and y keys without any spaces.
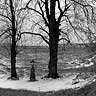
{"x":42,"y":85}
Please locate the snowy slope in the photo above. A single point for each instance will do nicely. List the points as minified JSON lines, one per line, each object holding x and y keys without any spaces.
{"x":42,"y":85}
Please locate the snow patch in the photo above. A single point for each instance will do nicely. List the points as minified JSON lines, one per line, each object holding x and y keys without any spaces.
{"x":42,"y":85}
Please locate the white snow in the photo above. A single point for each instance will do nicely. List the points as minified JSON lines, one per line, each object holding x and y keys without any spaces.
{"x":42,"y":85}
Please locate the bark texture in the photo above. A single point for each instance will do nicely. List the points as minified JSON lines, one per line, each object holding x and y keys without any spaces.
{"x":53,"y":42}
{"x":13,"y":44}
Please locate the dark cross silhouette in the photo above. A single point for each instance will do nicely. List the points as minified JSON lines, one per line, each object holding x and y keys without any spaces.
{"x":32,"y":71}
{"x":32,"y":61}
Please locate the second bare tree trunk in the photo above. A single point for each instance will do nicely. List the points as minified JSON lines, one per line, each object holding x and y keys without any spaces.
{"x":13,"y":43}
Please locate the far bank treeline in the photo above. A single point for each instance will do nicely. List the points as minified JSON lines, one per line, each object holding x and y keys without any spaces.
{"x":52,"y":21}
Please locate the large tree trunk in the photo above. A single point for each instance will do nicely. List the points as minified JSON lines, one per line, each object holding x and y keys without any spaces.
{"x":13,"y":43}
{"x":53,"y":49}
{"x":13,"y":59}
{"x":53,"y":42}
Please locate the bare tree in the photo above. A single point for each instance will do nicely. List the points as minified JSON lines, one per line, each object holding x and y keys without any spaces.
{"x":55,"y":14}
{"x":12,"y":21}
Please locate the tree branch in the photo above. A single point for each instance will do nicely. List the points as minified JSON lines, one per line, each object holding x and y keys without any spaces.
{"x":47,"y":10}
{"x":41,"y":27}
{"x":5,"y":31}
{"x":78,"y":37}
{"x":82,"y":4}
{"x":59,"y":6}
{"x":6,"y":17}
{"x":41,"y":14}
{"x":44,"y":30}
{"x":35,"y":34}
{"x":62,"y":12}
{"x":64,"y":39}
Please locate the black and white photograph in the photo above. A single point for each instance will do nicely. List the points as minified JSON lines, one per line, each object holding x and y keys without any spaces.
{"x":47,"y":47}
